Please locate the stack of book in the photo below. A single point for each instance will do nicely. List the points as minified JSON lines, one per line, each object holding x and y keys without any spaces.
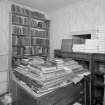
{"x":47,"y":76}
{"x":59,"y":63}
{"x":75,"y":70}
{"x":43,"y":77}
{"x":75,"y":67}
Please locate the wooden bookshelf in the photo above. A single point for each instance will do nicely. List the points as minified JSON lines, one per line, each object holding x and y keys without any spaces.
{"x":30,"y":33}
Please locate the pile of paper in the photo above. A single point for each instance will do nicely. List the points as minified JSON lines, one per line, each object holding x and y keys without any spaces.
{"x":101,"y":37}
{"x":48,"y":76}
{"x":58,"y":62}
{"x":94,"y":45}
{"x":101,"y":46}
{"x":78,"y":47}
{"x":33,"y":60}
{"x":91,"y":45}
{"x":44,"y":77}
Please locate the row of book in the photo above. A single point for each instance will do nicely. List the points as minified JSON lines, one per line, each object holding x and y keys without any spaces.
{"x":20,"y":20}
{"x":47,"y":76}
{"x":41,"y":42}
{"x":42,"y":25}
{"x":17,"y":51}
{"x":15,"y":40}
{"x":33,"y":23}
{"x":22,"y":41}
{"x":28,"y":41}
{"x":27,"y":50}
{"x":20,"y":30}
{"x":36,"y":24}
{"x":37,"y":33}
{"x":20,"y":10}
{"x":37,"y":50}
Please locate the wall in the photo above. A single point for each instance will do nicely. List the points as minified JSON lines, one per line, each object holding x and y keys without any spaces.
{"x":4,"y":46}
{"x":84,"y":15}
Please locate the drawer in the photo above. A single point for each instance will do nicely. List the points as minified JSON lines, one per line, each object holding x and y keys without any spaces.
{"x":99,"y":57}
{"x":76,"y":56}
{"x":82,"y":56}
{"x":68,"y":55}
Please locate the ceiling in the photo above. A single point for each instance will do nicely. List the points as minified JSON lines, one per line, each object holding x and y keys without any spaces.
{"x":45,"y":5}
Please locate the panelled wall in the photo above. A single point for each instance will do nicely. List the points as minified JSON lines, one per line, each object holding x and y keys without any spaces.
{"x":83,"y":16}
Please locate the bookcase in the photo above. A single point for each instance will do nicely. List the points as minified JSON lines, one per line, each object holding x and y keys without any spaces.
{"x":30,"y":34}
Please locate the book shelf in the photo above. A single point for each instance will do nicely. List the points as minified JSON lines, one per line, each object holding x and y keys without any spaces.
{"x":30,"y":34}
